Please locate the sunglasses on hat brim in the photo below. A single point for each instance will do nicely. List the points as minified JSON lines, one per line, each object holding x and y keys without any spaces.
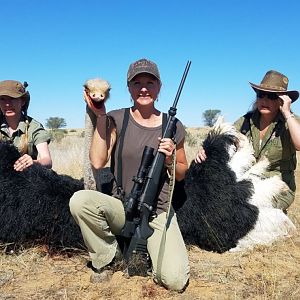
{"x":271,"y":96}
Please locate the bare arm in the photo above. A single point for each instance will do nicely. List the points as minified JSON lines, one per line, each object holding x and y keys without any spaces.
{"x":292,"y":122}
{"x":103,"y":141}
{"x":44,"y":158}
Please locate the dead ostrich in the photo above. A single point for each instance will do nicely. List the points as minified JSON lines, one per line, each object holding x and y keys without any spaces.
{"x":229,"y":201}
{"x":98,"y":91}
{"x":34,"y":205}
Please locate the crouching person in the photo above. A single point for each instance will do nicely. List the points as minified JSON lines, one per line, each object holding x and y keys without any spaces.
{"x":101,"y":217}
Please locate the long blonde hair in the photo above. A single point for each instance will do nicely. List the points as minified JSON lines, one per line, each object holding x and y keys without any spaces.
{"x":23,"y":146}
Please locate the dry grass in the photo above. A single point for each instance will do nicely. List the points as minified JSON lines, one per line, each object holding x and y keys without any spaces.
{"x":271,"y":272}
{"x":67,"y":155}
{"x":194,"y":139}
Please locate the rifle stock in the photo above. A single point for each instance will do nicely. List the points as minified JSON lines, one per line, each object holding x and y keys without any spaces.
{"x":146,"y":200}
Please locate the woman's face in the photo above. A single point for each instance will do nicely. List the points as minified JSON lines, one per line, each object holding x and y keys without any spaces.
{"x":11,"y":107}
{"x":144,"y":89}
{"x":267,"y":106}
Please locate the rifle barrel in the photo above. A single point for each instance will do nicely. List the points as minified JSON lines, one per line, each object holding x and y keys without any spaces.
{"x":187,"y":67}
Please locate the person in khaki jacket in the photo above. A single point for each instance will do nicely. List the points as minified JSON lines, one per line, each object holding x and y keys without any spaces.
{"x":274,"y":131}
{"x":22,"y":131}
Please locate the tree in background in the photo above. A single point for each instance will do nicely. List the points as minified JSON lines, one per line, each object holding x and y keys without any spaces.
{"x":54,"y":123}
{"x":210,"y":116}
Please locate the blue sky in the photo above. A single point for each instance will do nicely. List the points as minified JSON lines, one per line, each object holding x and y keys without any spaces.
{"x":56,"y":45}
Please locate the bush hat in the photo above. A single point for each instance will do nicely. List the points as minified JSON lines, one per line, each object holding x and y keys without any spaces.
{"x":142,"y":66}
{"x":15,"y":89}
{"x":275,"y":82}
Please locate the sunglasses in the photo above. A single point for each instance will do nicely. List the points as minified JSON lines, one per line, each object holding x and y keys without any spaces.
{"x":271,"y":96}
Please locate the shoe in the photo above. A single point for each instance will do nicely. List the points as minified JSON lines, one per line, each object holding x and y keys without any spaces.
{"x":105,"y":273}
{"x":102,"y":274}
{"x":110,"y":266}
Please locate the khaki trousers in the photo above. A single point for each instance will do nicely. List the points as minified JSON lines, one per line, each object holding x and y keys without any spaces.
{"x":284,"y":200}
{"x":101,"y":217}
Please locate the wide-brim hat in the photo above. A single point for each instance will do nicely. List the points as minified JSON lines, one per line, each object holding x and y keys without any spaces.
{"x":15,"y":89}
{"x":142,"y":66}
{"x":275,"y":82}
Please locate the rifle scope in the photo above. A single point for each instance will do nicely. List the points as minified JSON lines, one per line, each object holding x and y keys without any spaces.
{"x":139,"y":179}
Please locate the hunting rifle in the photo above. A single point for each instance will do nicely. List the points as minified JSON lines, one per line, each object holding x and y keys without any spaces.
{"x":141,"y":201}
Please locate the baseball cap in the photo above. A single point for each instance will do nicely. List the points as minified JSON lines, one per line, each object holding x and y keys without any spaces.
{"x":142,"y":66}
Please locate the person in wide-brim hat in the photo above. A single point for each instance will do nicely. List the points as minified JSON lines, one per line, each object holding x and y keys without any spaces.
{"x":15,"y":89}
{"x":25,"y":133}
{"x":274,"y":131}
{"x":275,"y":82}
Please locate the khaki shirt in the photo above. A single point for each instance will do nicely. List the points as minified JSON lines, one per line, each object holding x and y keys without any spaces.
{"x":36,"y":135}
{"x":276,"y":145}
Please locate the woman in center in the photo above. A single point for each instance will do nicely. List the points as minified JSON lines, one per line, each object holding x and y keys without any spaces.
{"x":102,"y":217}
